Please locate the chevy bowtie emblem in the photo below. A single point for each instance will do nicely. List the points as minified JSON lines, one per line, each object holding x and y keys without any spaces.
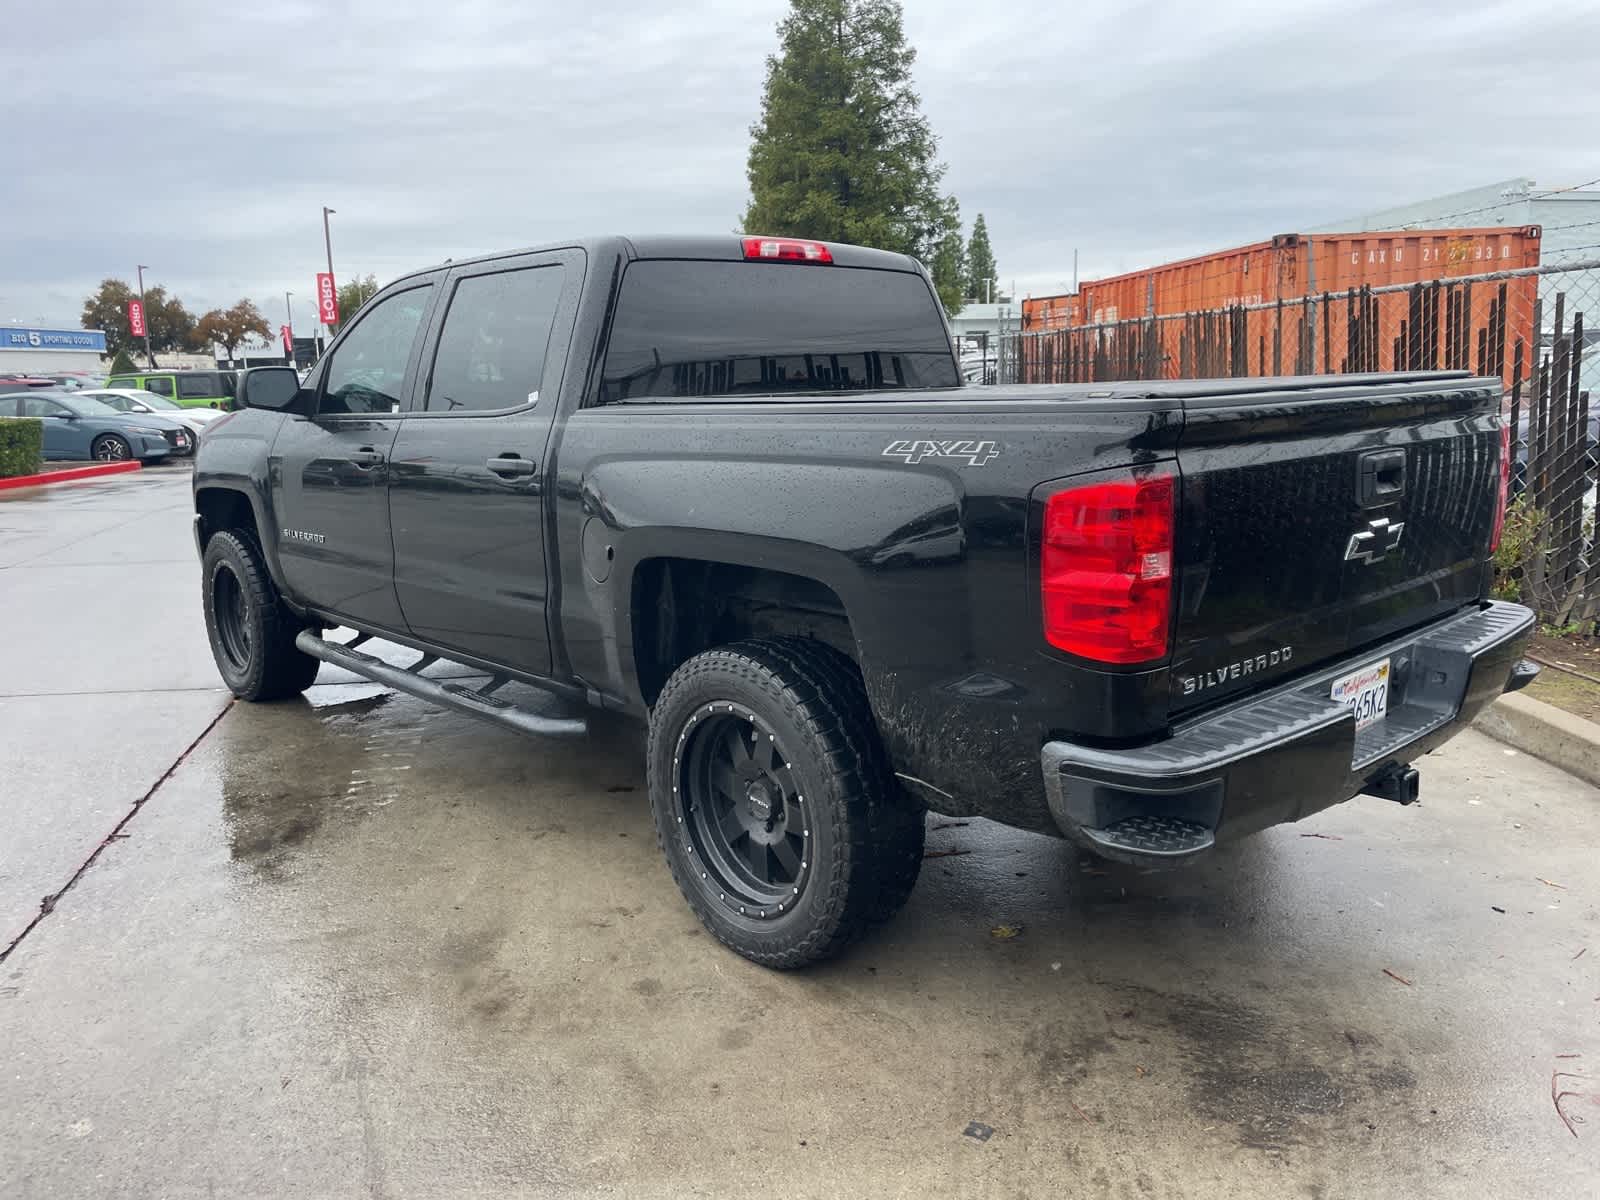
{"x":1375,"y":541}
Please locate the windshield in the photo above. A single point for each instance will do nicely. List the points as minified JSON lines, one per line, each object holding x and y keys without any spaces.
{"x":151,"y":400}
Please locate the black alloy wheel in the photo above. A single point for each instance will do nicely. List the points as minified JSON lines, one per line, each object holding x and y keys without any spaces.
{"x":774,"y":801}
{"x":744,"y":810}
{"x":231,"y":616}
{"x":110,"y":447}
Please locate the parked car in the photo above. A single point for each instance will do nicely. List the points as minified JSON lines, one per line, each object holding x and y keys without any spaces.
{"x":136,"y":401}
{"x":189,"y":389}
{"x":24,"y":383}
{"x":736,"y":488}
{"x":79,"y":428}
{"x":76,"y":381}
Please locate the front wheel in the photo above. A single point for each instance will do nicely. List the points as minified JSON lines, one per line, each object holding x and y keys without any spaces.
{"x":252,"y":633}
{"x":774,"y":801}
{"x":110,"y":447}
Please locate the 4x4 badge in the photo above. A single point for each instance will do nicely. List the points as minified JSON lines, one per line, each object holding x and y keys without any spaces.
{"x":974,"y":454}
{"x":1375,"y":541}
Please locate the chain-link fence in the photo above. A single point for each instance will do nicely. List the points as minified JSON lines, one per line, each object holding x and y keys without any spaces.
{"x":1528,"y":327}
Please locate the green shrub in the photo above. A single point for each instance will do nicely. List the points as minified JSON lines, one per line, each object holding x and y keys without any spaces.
{"x":1521,"y":544}
{"x":122,"y":364}
{"x":20,"y":442}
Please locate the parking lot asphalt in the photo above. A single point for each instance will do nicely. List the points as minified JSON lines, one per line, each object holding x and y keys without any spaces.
{"x":348,"y":946}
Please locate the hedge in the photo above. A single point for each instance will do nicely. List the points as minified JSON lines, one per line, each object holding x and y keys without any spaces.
{"x":20,"y":441}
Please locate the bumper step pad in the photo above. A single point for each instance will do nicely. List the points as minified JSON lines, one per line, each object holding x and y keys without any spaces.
{"x":1152,"y":836}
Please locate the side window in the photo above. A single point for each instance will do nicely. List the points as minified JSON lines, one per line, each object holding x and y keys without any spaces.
{"x":158,"y":385}
{"x":195,"y":386}
{"x":121,"y":382}
{"x":367,"y":373}
{"x":37,"y":406}
{"x":496,"y":333}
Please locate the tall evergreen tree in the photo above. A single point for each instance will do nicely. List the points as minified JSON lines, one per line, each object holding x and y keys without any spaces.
{"x":983,"y":279}
{"x":949,"y":267}
{"x":842,"y":151}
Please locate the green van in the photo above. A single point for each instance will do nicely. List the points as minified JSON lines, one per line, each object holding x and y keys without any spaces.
{"x":188,"y":389}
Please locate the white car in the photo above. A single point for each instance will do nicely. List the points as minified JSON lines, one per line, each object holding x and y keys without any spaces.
{"x":137,"y":400}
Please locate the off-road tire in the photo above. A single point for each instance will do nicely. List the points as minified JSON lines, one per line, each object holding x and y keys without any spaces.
{"x":865,"y":839}
{"x":239,"y":596}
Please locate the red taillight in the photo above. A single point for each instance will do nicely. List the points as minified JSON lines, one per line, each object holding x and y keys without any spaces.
{"x":1503,"y":493}
{"x":1105,"y":566}
{"x":786,"y":250}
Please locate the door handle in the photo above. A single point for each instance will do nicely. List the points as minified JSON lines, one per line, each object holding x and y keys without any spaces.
{"x":510,"y":464}
{"x":1382,"y":477}
{"x":366,"y":457}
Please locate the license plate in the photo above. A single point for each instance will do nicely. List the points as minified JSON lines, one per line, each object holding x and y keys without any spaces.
{"x":1366,"y":691}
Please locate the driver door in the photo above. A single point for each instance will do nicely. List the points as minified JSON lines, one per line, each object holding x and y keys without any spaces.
{"x":330,"y":471}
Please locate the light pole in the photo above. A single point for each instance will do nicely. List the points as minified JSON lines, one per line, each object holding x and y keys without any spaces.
{"x":327,"y":244}
{"x":148,"y":353}
{"x":288,"y":315}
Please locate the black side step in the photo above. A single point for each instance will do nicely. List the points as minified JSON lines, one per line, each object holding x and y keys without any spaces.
{"x":477,"y":703}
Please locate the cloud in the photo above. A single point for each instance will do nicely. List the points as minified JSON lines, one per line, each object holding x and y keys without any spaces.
{"x":205,"y":141}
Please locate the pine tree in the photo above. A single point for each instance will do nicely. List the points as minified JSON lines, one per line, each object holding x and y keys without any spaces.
{"x":983,"y":279}
{"x":842,"y":151}
{"x":949,"y":267}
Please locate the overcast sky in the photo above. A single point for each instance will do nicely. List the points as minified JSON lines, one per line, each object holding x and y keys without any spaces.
{"x":203,"y":138}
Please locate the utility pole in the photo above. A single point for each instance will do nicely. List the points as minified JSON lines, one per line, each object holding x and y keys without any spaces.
{"x":288,"y":315}
{"x":148,"y":353}
{"x":327,"y":244}
{"x":1074,"y":270}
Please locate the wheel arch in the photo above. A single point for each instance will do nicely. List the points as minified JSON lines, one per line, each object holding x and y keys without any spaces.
{"x":679,"y":605}
{"x":220,"y":506}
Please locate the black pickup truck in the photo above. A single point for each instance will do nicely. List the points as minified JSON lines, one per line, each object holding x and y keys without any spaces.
{"x":735,"y":487}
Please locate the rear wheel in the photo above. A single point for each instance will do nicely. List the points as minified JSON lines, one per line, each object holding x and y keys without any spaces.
{"x":774,"y":803}
{"x":110,"y":447}
{"x":252,"y":632}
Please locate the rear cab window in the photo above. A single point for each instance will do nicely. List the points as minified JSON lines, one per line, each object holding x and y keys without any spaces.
{"x":197,"y":386}
{"x":690,"y":328}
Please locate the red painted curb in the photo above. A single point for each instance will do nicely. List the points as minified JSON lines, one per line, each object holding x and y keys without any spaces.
{"x":69,"y":475}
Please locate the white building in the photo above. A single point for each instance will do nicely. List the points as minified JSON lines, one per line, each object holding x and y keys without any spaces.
{"x":28,"y":349}
{"x":975,"y":329}
{"x":1568,"y":216}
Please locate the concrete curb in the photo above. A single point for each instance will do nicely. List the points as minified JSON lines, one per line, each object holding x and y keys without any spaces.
{"x":69,"y":475}
{"x":1546,"y":732}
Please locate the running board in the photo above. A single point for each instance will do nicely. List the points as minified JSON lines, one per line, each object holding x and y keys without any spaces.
{"x":480,"y":702}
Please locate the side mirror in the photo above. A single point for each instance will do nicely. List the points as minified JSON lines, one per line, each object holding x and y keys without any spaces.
{"x":275,"y":388}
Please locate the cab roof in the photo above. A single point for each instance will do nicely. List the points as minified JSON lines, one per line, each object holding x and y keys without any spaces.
{"x":722,"y":247}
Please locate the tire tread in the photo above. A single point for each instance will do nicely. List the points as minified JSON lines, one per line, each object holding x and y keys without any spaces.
{"x":280,"y":669}
{"x":877,"y":832}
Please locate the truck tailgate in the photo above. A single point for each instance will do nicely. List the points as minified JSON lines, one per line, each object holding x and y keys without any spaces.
{"x":1313,"y":523}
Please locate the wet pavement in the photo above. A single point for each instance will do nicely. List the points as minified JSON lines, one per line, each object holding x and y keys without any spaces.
{"x":347,"y":946}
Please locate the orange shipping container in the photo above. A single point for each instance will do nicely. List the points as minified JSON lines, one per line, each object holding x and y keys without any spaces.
{"x":1387,"y":331}
{"x":1050,"y":312}
{"x":1293,"y":265}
